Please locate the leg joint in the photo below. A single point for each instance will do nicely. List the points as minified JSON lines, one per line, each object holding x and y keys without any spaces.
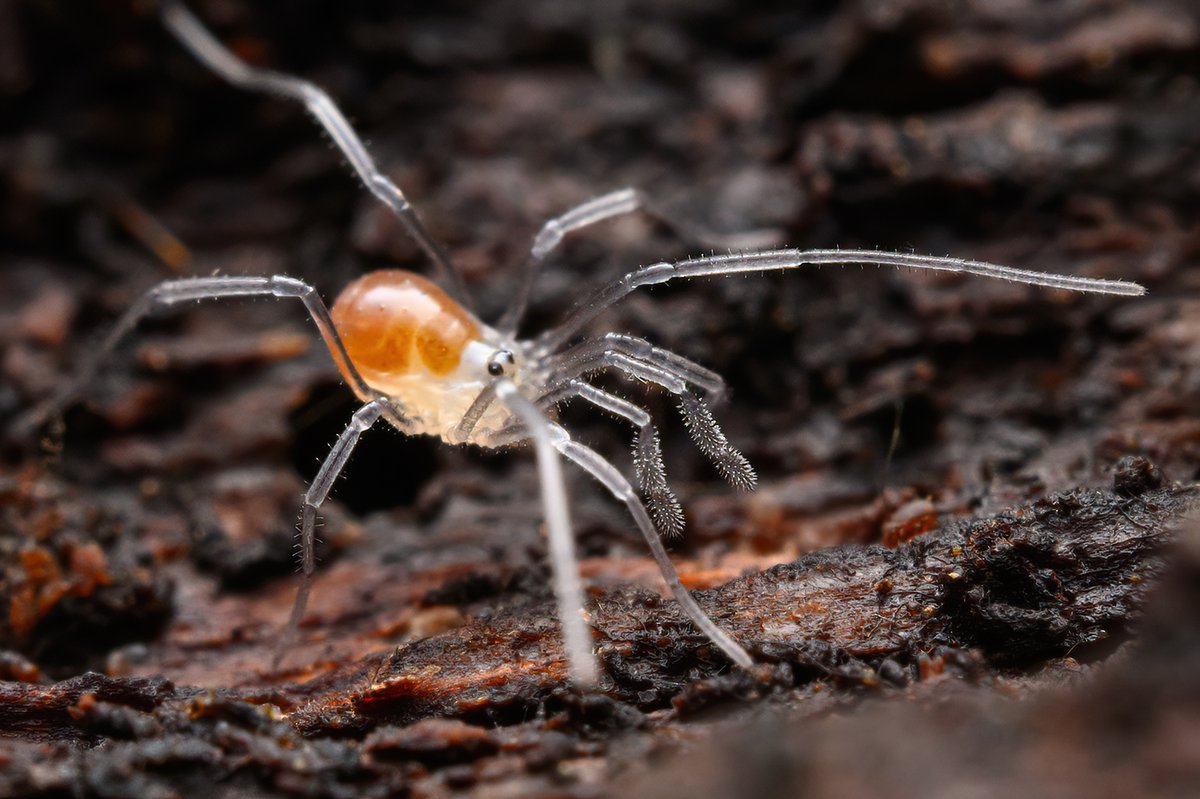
{"x":547,"y":239}
{"x":367,"y":415}
{"x":284,"y":286}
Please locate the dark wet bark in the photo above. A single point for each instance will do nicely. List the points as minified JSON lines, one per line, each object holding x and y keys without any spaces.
{"x":1027,"y":457}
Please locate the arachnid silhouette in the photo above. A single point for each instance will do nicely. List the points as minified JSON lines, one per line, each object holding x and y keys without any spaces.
{"x":418,"y":357}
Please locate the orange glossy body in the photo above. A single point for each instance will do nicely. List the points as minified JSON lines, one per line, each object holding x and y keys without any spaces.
{"x":397,"y":324}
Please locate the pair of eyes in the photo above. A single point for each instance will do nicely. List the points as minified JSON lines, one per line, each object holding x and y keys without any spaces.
{"x":501,"y":364}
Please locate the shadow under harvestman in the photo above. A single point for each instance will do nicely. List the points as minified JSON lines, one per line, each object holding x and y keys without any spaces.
{"x":418,"y":358}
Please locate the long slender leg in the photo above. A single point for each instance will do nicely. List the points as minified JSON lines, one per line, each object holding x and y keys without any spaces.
{"x":647,"y":451}
{"x":317,"y":493}
{"x":567,"y":586}
{"x":615,"y":482}
{"x":778,"y":260}
{"x":599,"y":209}
{"x":174,"y":292}
{"x":210,"y":52}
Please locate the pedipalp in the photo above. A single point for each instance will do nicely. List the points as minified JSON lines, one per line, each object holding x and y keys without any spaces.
{"x":584,"y":355}
{"x":697,"y":416}
{"x":648,"y":463}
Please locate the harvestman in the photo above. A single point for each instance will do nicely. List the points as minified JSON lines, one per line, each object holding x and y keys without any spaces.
{"x":416,"y":357}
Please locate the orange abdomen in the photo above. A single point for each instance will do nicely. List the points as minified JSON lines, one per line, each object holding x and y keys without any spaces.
{"x":395,"y":323}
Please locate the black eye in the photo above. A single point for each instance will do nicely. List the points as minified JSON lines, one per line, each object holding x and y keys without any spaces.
{"x":500,"y":363}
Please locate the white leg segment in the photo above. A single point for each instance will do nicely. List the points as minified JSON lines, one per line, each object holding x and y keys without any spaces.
{"x":317,"y":493}
{"x":779,"y":260}
{"x":568,"y":589}
{"x":210,"y":52}
{"x":600,"y":209}
{"x":612,"y":479}
{"x":175,"y":292}
{"x":478,"y":408}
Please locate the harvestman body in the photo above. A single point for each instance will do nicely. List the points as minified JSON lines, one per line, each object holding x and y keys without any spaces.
{"x":416,"y":357}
